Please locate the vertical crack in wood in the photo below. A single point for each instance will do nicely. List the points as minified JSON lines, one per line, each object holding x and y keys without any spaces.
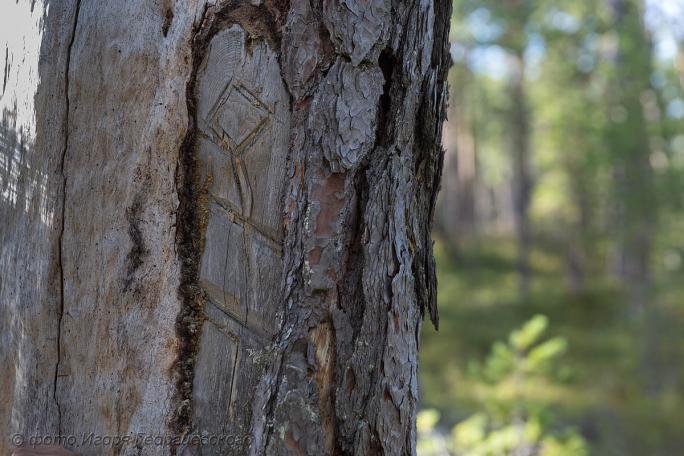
{"x":60,"y":243}
{"x":188,"y":321}
{"x":189,"y":244}
{"x":6,"y":72}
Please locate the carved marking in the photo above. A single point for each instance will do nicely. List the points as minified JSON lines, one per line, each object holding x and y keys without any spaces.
{"x":236,"y":339}
{"x":271,"y":239}
{"x":240,"y":265}
{"x":243,"y":116}
{"x":256,"y":334}
{"x":219,"y":350}
{"x":235,"y":122}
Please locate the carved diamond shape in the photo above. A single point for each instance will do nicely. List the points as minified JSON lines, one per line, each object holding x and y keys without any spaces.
{"x":237,"y":116}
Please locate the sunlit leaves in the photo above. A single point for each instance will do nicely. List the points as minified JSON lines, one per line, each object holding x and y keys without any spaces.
{"x":510,"y":423}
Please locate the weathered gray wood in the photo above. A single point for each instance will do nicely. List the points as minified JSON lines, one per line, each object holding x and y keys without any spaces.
{"x":126,"y":122}
{"x":239,"y":198}
{"x":87,"y":301}
{"x":33,"y":48}
{"x":244,"y":126}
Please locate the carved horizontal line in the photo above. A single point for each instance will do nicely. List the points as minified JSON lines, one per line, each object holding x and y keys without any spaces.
{"x":258,"y":335}
{"x":224,"y":330}
{"x":265,"y":233}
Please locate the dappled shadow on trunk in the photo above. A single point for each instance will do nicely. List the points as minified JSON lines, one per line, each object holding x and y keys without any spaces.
{"x":23,"y":185}
{"x":31,"y":188}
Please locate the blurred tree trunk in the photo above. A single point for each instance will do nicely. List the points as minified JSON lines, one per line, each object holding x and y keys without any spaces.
{"x":629,"y":141}
{"x":460,"y":179}
{"x":519,"y":125}
{"x":447,"y":210}
{"x":636,"y":205}
{"x":680,"y":61}
{"x":215,"y":218}
{"x":466,"y":151}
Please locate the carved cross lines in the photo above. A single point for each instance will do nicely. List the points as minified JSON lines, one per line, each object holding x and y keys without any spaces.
{"x":235,"y":122}
{"x":243,"y":118}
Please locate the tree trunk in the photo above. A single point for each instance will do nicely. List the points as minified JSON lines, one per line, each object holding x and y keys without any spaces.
{"x":636,"y":218}
{"x":680,"y":61}
{"x":629,"y":140}
{"x":215,"y":218}
{"x":460,"y":177}
{"x":519,"y":125}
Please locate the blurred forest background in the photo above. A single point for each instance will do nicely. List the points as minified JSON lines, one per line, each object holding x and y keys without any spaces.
{"x":560,"y":233}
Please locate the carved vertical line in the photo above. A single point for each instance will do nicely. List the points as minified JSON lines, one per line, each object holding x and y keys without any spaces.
{"x":6,"y":72}
{"x":238,"y":339}
{"x":60,"y":244}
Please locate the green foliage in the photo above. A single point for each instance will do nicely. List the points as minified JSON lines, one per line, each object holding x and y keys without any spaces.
{"x":511,"y":423}
{"x":602,"y":95}
{"x":593,"y":386}
{"x":523,"y":354}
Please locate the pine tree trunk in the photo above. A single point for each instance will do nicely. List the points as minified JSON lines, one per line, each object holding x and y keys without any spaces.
{"x":215,"y":218}
{"x":637,"y":213}
{"x":466,"y":187}
{"x":635,"y":220}
{"x":519,"y":125}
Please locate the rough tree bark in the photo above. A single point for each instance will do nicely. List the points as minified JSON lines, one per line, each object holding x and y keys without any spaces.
{"x":215,"y":217}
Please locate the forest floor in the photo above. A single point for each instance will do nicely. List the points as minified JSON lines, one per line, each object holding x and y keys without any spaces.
{"x":598,"y":387}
